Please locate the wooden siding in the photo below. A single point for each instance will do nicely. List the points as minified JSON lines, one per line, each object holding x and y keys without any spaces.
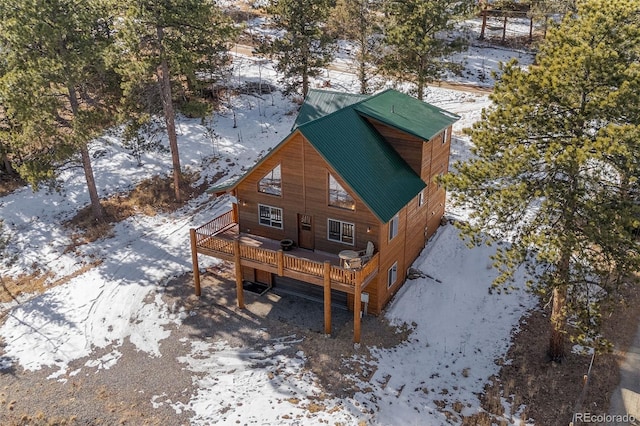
{"x":289,"y":156}
{"x":305,"y":177}
{"x":416,"y":228}
{"x":391,"y":251}
{"x":408,"y":146}
{"x":435,"y":161}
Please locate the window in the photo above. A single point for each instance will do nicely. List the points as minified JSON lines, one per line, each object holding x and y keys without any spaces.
{"x":271,"y":183}
{"x":392,"y":275}
{"x":270,"y":216}
{"x":393,"y":227}
{"x":340,"y":231}
{"x":445,"y":136}
{"x":338,"y":196}
{"x":421,"y":198}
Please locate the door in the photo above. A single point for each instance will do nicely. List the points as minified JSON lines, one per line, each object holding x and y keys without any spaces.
{"x":305,"y":231}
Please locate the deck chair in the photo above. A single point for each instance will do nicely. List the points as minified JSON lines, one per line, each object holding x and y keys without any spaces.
{"x":355,"y":263}
{"x":367,"y":254}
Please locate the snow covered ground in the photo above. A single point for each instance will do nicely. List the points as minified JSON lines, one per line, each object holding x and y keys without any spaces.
{"x":459,"y":330}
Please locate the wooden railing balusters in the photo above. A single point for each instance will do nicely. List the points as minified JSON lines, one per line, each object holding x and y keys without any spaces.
{"x":206,"y":237}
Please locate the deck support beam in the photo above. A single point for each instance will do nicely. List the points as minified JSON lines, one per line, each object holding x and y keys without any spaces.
{"x":280,"y":262}
{"x":194,"y":260}
{"x":239,"y":289}
{"x":327,"y":297}
{"x":357,"y":307}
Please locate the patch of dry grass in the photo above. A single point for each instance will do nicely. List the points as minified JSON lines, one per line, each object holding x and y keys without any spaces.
{"x":11,"y":288}
{"x":35,"y":283}
{"x":149,"y":197}
{"x":549,"y":392}
{"x":8,"y":184}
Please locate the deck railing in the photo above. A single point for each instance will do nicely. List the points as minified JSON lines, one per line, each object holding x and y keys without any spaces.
{"x":218,"y":224}
{"x":207,"y":238}
{"x":305,"y":266}
{"x":370,"y":267}
{"x":260,"y":255}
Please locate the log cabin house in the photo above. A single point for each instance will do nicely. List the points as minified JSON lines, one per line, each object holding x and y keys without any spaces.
{"x":345,"y":202}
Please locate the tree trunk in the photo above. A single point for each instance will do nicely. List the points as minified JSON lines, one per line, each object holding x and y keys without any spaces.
{"x":558,"y":323}
{"x":421,"y":80}
{"x":504,"y":29}
{"x":362,"y":75}
{"x":362,"y":62}
{"x":96,"y":208}
{"x":558,"y":309}
{"x":420,"y":89}
{"x":305,"y":81}
{"x":7,"y":167}
{"x":164,"y":81}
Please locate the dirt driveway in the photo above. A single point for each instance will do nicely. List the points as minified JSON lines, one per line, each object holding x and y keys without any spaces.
{"x":121,"y":385}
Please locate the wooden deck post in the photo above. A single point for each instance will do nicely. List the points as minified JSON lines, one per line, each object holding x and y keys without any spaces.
{"x":234,"y":211}
{"x":357,"y":307}
{"x":327,"y":297}
{"x":239,"y":289}
{"x":280,"y":262}
{"x":194,"y":260}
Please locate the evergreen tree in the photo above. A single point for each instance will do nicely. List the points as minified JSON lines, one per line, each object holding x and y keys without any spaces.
{"x":55,"y":89}
{"x":169,"y":49}
{"x":556,"y":167}
{"x":418,"y":38}
{"x":357,"y":21}
{"x":305,"y":48}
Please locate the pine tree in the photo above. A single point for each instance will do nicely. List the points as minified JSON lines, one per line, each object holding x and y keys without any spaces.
{"x":305,"y":48}
{"x":165,"y":45}
{"x":418,"y":38}
{"x":358,"y":22}
{"x":55,"y":88}
{"x":556,"y":167}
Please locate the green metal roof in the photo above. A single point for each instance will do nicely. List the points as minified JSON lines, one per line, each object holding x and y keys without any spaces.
{"x":319,"y":103}
{"x":334,"y":125}
{"x":406,"y":113}
{"x":224,"y":185}
{"x":365,"y":161}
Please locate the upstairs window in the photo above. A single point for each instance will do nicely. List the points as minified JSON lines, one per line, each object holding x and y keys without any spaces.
{"x":445,"y":136}
{"x":393,"y":227}
{"x":271,"y":183}
{"x":270,"y":216}
{"x":338,"y":196}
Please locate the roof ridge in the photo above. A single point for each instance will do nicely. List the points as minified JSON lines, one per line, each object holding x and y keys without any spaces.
{"x":352,"y":106}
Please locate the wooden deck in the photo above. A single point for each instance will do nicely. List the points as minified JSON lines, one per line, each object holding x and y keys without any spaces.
{"x":220,"y":238}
